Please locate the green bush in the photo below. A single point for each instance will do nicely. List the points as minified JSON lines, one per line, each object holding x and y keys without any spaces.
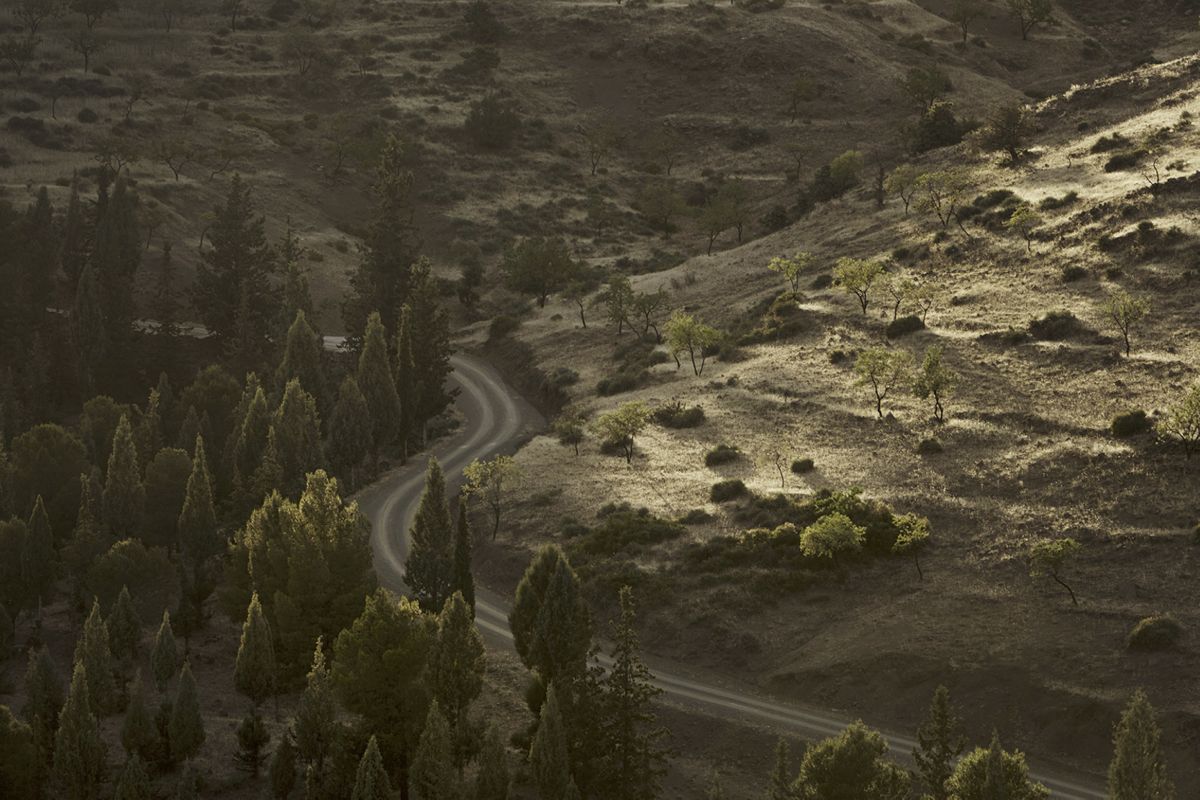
{"x":721,"y":454}
{"x":1154,"y":634}
{"x":697,"y":516}
{"x":620,"y":383}
{"x":1055,"y":203}
{"x":676,"y":415}
{"x":903,"y":326}
{"x":1131,"y":423}
{"x":725,"y":491}
{"x":1106,"y":144}
{"x":1056,"y":326}
{"x":502,"y":326}
{"x":929,"y":447}
{"x":492,"y":122}
{"x":1125,"y":161}
{"x":624,"y":530}
{"x":802,"y":465}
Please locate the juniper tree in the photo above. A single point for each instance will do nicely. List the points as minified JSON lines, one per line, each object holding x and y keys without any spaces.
{"x":371,"y":780}
{"x":1138,"y":770}
{"x":134,"y":783}
{"x":457,"y":665}
{"x":93,"y":653}
{"x":407,"y":379}
{"x":139,"y":734}
{"x":377,"y":385}
{"x":198,"y":536}
{"x":43,"y":702}
{"x":548,"y":757}
{"x":315,"y":726}
{"x":250,"y":442}
{"x":254,"y":668}
{"x":186,"y":728}
{"x":124,"y":627}
{"x":148,"y":434}
{"x":464,"y":579}
{"x":530,"y":605}
{"x":297,"y":426}
{"x":432,"y":775}
{"x":349,"y":440}
{"x":302,"y":359}
{"x":252,"y":738}
{"x":269,"y":476}
{"x":429,"y":568}
{"x":164,"y":658}
{"x":124,"y":494}
{"x":939,"y":744}
{"x":37,"y":555}
{"x":492,"y":781}
{"x":79,"y":752}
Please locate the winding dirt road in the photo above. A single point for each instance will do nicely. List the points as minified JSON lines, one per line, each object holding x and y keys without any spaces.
{"x":497,"y":420}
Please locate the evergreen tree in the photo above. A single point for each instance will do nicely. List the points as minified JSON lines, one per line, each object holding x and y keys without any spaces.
{"x":282,"y":773}
{"x":79,"y":753}
{"x":548,"y":753}
{"x":315,"y":726}
{"x":249,"y":446}
{"x":349,"y":431}
{"x":850,"y":766}
{"x":636,"y":762}
{"x":433,"y":775}
{"x":116,"y":256}
{"x":530,"y":594}
{"x":989,"y":773}
{"x":148,"y":435}
{"x":124,"y":627}
{"x":88,"y":331}
{"x":431,"y":358}
{"x":186,"y":729}
{"x":1138,"y":770}
{"x":302,"y":359}
{"x":43,"y":702}
{"x":188,"y":787}
{"x":458,"y":665}
{"x":93,"y":653}
{"x":37,"y":554}
{"x":18,"y":759}
{"x":268,"y":477}
{"x":429,"y":568}
{"x":39,"y":260}
{"x":254,"y":672}
{"x":297,"y":426}
{"x":371,"y":781}
{"x":124,"y":494}
{"x":88,"y":540}
{"x":75,"y":237}
{"x":198,"y":536}
{"x":939,"y":744}
{"x":134,"y":783}
{"x":780,"y":786}
{"x":492,"y":781}
{"x":189,"y":428}
{"x":139,"y":734}
{"x":164,"y":303}
{"x":236,"y":271}
{"x":406,"y":379}
{"x":378,"y":388}
{"x":562,"y":631}
{"x":297,"y":294}
{"x":464,"y":580}
{"x":252,"y":738}
{"x":164,"y":659}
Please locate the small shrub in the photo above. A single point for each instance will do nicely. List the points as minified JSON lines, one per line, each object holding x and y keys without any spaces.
{"x":675,"y":415}
{"x":492,"y":122}
{"x":802,"y":465}
{"x":721,"y":454}
{"x":502,"y":326}
{"x":621,"y":382}
{"x":903,"y":326}
{"x":1073,"y":273}
{"x":87,"y":116}
{"x":725,"y":491}
{"x":1132,"y":423}
{"x":624,"y":529}
{"x":1154,"y":634}
{"x":1106,"y":144}
{"x":1055,"y":203}
{"x":1125,"y":161}
{"x":697,"y":516}
{"x":1056,"y":326}
{"x":929,"y":447}
{"x":744,"y":137}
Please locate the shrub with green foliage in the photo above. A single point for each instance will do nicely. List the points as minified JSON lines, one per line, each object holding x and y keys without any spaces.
{"x":1131,"y":423}
{"x":1155,"y":633}
{"x":721,"y":454}
{"x":676,"y":415}
{"x":802,"y":465}
{"x":903,"y":326}
{"x":726,"y":491}
{"x":621,"y":531}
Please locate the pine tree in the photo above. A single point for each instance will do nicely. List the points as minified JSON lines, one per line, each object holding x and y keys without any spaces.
{"x":186,"y":729}
{"x":249,"y":445}
{"x":198,"y":537}
{"x":429,"y":568}
{"x":780,"y":785}
{"x":88,"y":540}
{"x":302,"y":359}
{"x":1138,"y":770}
{"x":315,"y":726}
{"x":548,"y":753}
{"x":406,"y":379}
{"x":18,"y":759}
{"x":43,"y":702}
{"x":164,"y":303}
{"x":635,"y":760}
{"x":371,"y":781}
{"x":995,"y":781}
{"x":349,"y":432}
{"x":139,"y":734}
{"x":433,"y":776}
{"x":252,"y":738}
{"x":297,"y":427}
{"x":79,"y":753}
{"x":149,"y":434}
{"x":431,"y":357}
{"x":464,"y":580}
{"x":124,"y":627}
{"x":297,"y":294}
{"x":117,"y":254}
{"x":93,"y":653}
{"x":124,"y":495}
{"x":88,"y":332}
{"x":75,"y":244}
{"x":254,"y":672}
{"x":134,"y":783}
{"x":269,"y":475}
{"x":492,"y":782}
{"x":164,"y":659}
{"x":375,"y":381}
{"x":282,"y":773}
{"x":458,"y":664}
{"x":939,"y":744}
{"x":37,"y":554}
{"x":562,"y":633}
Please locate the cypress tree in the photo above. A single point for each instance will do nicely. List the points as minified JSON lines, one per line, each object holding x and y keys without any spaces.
{"x":780,"y":785}
{"x":18,"y":759}
{"x":149,"y":435}
{"x":431,"y":358}
{"x":378,"y":388}
{"x":124,"y":627}
{"x":88,"y":541}
{"x":995,"y":781}
{"x":37,"y":554}
{"x":188,"y":787}
{"x":939,"y":744}
{"x":635,"y":760}
{"x":254,"y":671}
{"x":302,"y":359}
{"x":249,"y":445}
{"x":492,"y":782}
{"x":458,"y":664}
{"x":124,"y":494}
{"x":282,"y":773}
{"x":186,"y":729}
{"x":548,"y":753}
{"x":75,"y":245}
{"x":269,"y":475}
{"x":530,"y":594}
{"x":88,"y":331}
{"x":134,"y":783}
{"x":406,"y":379}
{"x":297,"y":294}
{"x":371,"y":781}
{"x":315,"y":726}
{"x":79,"y":753}
{"x":198,"y":537}
{"x":93,"y":653}
{"x":164,"y":305}
{"x":252,"y":737}
{"x":562,"y":632}
{"x":43,"y":702}
{"x":189,"y":429}
{"x":349,"y":431}
{"x":464,"y":580}
{"x":164,"y":659}
{"x":116,"y":256}
{"x":139,"y":734}
{"x":429,"y":568}
{"x":1138,"y":770}
{"x":432,"y":776}
{"x":297,"y":427}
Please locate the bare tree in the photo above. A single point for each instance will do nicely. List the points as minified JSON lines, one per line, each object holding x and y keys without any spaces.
{"x":32,"y":13}
{"x":174,"y":152}
{"x":84,"y":42}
